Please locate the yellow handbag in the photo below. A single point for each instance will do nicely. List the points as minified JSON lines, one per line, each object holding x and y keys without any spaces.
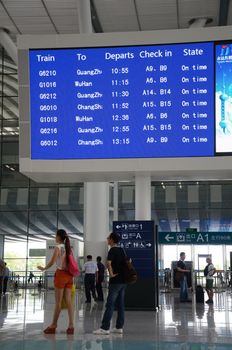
{"x":63,"y":303}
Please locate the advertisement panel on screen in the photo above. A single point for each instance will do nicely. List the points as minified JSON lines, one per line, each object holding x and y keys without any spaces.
{"x":223,"y":97}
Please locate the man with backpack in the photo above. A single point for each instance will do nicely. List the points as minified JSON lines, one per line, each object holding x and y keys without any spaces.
{"x":209,"y":271}
{"x":117,"y":285}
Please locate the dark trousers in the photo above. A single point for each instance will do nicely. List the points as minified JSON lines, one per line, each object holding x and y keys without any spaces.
{"x":90,"y":286}
{"x":1,"y":284}
{"x":115,"y":299}
{"x":99,"y":290}
{"x":5,"y":284}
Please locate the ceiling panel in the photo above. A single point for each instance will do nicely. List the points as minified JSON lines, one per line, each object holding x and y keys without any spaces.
{"x":189,"y":9}
{"x":153,"y":22}
{"x":115,"y":7}
{"x":117,"y":15}
{"x":65,"y":20}
{"x":26,"y":11}
{"x":158,"y":7}
{"x":125,"y":23}
{"x":64,"y":12}
{"x":32,"y":16}
{"x":66,"y":29}
{"x":65,"y":4}
{"x":157,"y":14}
{"x":21,"y":3}
{"x":37,"y":29}
{"x":33,"y":21}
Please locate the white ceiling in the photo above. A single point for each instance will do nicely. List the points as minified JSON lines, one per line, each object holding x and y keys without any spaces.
{"x":61,"y":16}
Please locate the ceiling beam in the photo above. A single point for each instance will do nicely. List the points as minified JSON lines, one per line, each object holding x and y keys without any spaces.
{"x":95,"y":19}
{"x":223,"y":12}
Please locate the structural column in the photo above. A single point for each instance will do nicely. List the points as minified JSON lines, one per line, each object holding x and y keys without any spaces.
{"x":96,"y":194}
{"x":96,"y":218}
{"x":1,"y":246}
{"x":142,"y":197}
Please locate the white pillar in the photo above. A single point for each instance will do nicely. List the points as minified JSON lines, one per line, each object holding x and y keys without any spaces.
{"x":96,"y":218}
{"x":1,"y":246}
{"x":115,"y":201}
{"x":84,"y":16}
{"x":9,"y":45}
{"x":142,"y":197}
{"x":96,"y":194}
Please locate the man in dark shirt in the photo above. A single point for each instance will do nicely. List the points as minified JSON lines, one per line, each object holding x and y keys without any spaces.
{"x":181,"y":268}
{"x":100,"y":279}
{"x":117,"y":286}
{"x":2,"y":269}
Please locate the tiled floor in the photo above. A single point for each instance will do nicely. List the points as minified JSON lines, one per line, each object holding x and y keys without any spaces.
{"x":176,"y":326}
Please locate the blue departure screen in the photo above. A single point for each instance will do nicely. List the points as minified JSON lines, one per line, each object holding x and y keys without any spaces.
{"x":123,"y":102}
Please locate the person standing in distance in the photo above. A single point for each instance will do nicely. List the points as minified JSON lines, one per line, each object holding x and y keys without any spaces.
{"x":209,"y":271}
{"x":100,"y":279}
{"x":181,"y":267}
{"x":6,"y":277}
{"x":117,"y":286}
{"x":63,"y":281}
{"x":91,"y":276}
{"x":2,"y":268}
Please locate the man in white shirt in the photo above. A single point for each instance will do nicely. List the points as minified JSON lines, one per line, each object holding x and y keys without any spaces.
{"x":209,"y":271}
{"x":91,"y":275}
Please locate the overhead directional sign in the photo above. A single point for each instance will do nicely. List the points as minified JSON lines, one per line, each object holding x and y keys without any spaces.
{"x":195,"y":238}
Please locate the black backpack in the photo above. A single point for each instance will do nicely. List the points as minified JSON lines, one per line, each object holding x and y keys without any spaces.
{"x":130,"y":274}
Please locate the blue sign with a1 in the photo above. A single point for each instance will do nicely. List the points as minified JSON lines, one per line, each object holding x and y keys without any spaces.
{"x":195,"y":238}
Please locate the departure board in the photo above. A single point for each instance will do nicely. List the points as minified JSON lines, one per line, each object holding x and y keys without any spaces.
{"x":124,"y":102}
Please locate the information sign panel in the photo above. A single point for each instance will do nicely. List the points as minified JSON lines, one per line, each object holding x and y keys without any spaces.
{"x":138,"y":241}
{"x":195,"y":238}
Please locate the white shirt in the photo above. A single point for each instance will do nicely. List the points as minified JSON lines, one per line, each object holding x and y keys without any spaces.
{"x":61,"y":259}
{"x":90,"y":267}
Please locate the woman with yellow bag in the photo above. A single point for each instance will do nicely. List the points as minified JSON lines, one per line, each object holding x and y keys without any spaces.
{"x":63,"y":281}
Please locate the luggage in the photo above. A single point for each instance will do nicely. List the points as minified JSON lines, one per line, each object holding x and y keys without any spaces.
{"x":200,"y":294}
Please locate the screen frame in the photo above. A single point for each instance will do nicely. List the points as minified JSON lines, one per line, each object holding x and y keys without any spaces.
{"x":73,"y":170}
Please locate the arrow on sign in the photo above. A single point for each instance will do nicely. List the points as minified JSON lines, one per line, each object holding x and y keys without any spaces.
{"x":148,"y":244}
{"x":168,"y":238}
{"x":118,"y":226}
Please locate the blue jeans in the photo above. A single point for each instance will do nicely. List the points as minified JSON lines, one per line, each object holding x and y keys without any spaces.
{"x":115,"y":299}
{"x":183,"y":289}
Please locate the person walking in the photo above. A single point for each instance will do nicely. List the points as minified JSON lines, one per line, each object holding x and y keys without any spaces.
{"x":63,"y":281}
{"x":115,"y":264}
{"x":100,"y":279}
{"x":181,"y":269}
{"x":5,"y":279}
{"x":30,"y":278}
{"x":91,"y":276}
{"x":209,"y":271}
{"x":2,"y":268}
